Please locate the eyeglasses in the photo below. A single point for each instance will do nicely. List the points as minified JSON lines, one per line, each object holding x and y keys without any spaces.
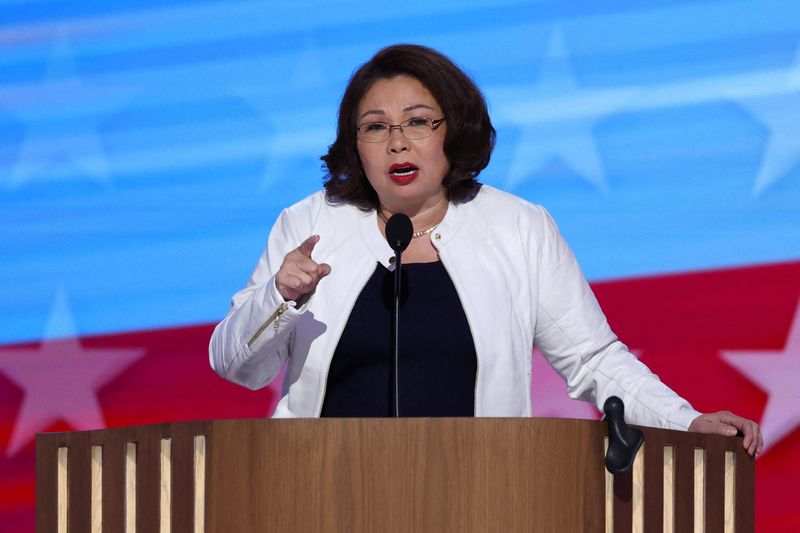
{"x":412,"y":129}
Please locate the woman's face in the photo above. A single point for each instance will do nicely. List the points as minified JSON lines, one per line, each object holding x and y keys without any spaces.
{"x":406,"y":174}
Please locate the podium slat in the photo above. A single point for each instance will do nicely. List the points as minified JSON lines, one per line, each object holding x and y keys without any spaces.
{"x":654,"y":484}
{"x":148,"y":478}
{"x":79,"y":473}
{"x":46,"y":483}
{"x":623,"y":508}
{"x":113,"y":443}
{"x":744,"y":514}
{"x":183,"y":477}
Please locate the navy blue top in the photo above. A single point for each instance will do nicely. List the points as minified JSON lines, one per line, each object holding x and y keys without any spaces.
{"x":437,"y":363}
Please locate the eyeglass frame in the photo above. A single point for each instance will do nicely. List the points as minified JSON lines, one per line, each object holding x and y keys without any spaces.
{"x":433,"y":125}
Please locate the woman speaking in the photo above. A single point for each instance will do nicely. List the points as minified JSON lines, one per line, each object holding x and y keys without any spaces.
{"x":486,"y":276}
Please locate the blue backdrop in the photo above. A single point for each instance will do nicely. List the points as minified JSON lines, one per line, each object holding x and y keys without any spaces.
{"x":146,"y":147}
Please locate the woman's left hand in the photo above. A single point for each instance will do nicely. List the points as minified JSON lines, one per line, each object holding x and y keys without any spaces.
{"x":727,"y":423}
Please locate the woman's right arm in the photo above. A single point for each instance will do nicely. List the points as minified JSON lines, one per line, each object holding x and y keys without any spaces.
{"x":251,"y":343}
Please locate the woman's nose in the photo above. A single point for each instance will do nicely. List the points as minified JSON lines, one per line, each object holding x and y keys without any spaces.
{"x":397,"y":142}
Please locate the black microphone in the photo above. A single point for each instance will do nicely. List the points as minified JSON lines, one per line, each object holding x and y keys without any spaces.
{"x":398,"y":232}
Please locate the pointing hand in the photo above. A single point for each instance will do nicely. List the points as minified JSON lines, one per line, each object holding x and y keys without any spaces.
{"x":299,"y":274}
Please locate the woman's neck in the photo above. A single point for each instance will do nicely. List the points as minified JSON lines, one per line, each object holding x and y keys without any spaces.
{"x":422,"y":217}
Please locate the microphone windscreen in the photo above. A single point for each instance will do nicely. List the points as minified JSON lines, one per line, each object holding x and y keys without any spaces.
{"x":398,"y":231}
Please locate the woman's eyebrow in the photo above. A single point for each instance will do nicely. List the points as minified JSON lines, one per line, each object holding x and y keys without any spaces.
{"x":405,"y":110}
{"x":416,"y":106}
{"x":371,"y":112}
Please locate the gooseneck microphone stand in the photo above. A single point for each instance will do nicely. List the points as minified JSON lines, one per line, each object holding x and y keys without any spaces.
{"x":398,"y":232}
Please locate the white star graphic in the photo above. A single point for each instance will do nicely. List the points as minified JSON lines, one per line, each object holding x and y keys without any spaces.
{"x":298,"y":136}
{"x":780,"y":113}
{"x":776,"y":373}
{"x":61,"y":115}
{"x":60,"y":378}
{"x":556,"y":118}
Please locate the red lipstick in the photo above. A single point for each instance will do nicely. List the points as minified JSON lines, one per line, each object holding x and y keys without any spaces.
{"x":403,"y":173}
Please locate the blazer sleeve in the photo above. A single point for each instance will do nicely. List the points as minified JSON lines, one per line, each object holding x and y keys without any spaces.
{"x":254,"y":339}
{"x":573,"y":334}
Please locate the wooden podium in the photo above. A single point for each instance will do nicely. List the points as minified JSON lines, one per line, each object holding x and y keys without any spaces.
{"x":387,"y":475}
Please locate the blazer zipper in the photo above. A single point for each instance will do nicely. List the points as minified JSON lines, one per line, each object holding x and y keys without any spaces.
{"x":274,"y":318}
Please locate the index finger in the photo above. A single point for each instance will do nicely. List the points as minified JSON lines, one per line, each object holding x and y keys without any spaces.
{"x":307,"y":246}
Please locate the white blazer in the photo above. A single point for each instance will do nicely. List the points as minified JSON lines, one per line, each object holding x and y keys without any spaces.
{"x":519,"y":285}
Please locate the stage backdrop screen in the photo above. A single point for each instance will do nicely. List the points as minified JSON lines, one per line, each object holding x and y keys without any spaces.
{"x":146,"y":148}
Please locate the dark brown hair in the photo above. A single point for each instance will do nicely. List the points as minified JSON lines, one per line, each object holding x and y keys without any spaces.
{"x":469,"y":138}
